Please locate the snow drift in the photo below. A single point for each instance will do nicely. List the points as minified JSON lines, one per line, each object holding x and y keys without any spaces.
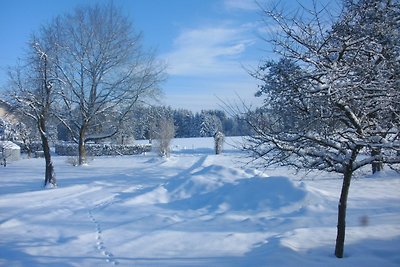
{"x":217,"y":188}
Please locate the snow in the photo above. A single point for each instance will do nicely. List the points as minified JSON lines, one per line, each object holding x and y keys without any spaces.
{"x":193,"y":209}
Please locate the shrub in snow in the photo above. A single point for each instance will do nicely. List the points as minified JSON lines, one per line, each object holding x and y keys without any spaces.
{"x":164,"y":134}
{"x":73,"y":161}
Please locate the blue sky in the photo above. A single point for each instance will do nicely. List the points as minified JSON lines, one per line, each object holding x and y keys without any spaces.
{"x":207,"y":44}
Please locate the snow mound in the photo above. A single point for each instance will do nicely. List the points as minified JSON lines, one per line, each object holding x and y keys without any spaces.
{"x":218,"y":188}
{"x":203,"y":180}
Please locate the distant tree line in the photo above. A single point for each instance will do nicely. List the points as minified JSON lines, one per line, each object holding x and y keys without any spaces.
{"x":145,"y":121}
{"x":190,"y":124}
{"x":141,"y":124}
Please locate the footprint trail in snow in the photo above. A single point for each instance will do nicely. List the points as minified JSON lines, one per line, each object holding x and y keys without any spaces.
{"x":100,"y":243}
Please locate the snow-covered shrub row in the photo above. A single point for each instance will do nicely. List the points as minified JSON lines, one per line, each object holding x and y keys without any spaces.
{"x":29,"y":147}
{"x":71,"y":149}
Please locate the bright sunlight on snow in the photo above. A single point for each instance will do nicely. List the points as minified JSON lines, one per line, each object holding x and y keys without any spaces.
{"x":193,"y":209}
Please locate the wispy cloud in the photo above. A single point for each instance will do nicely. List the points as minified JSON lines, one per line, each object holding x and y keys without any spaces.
{"x":208,"y":62}
{"x":250,"y":5}
{"x":209,"y":51}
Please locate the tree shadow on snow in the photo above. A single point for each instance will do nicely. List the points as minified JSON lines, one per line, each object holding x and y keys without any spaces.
{"x":368,"y":252}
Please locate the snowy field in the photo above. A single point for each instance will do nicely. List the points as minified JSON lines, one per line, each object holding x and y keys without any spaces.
{"x":194,"y":209}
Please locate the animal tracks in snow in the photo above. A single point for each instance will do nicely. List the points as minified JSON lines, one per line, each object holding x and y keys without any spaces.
{"x":109,"y":257}
{"x":100,"y":243}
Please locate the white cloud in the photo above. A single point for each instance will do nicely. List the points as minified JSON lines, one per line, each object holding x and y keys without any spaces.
{"x":206,"y":63}
{"x":209,"y":51}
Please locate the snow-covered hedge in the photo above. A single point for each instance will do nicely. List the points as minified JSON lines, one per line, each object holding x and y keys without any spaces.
{"x":71,"y":149}
{"x":31,"y":147}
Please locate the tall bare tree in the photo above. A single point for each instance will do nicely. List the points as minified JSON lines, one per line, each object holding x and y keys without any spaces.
{"x":333,"y":97}
{"x":33,"y":92}
{"x":105,"y":69}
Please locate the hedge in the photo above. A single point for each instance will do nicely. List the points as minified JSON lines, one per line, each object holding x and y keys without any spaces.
{"x":71,"y":149}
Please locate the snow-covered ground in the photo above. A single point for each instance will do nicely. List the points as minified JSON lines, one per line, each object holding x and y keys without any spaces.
{"x":194,"y":209}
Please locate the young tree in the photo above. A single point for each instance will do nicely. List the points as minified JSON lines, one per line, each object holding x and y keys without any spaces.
{"x":164,"y":135}
{"x":333,"y":96}
{"x":33,"y":92}
{"x":105,"y":70}
{"x":211,"y":125}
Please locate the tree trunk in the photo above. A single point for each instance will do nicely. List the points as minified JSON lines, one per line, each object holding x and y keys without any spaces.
{"x":377,"y":165}
{"x":81,"y":146}
{"x":218,"y":142}
{"x":341,"y":225}
{"x":50,"y":177}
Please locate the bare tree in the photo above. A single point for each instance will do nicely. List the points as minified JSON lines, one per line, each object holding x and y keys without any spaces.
{"x":33,"y":92}
{"x":333,"y":96}
{"x":105,"y":69}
